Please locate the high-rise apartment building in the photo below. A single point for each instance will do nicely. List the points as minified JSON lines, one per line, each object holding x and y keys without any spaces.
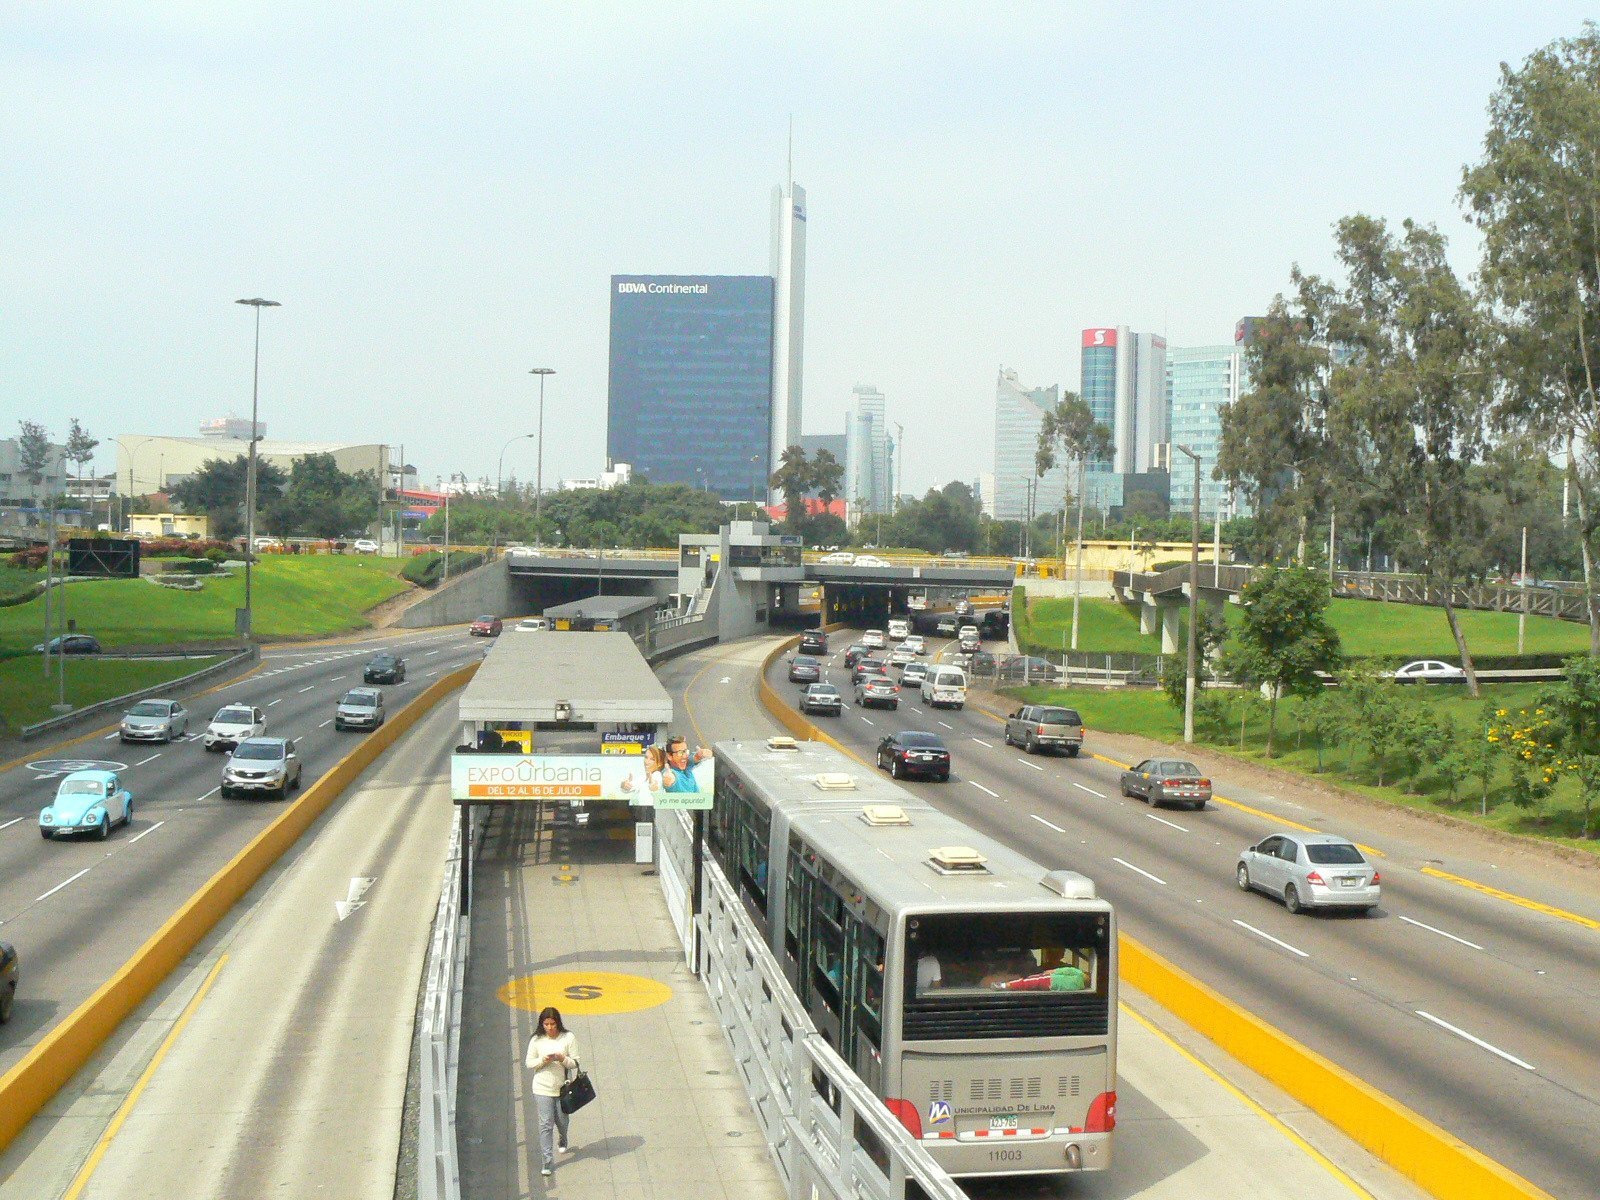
{"x":690,"y":391}
{"x":869,"y":453}
{"x":1201,"y":380}
{"x":788,"y":315}
{"x":1018,"y":414}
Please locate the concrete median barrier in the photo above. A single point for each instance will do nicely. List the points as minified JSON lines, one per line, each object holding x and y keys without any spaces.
{"x":31,"y":1083}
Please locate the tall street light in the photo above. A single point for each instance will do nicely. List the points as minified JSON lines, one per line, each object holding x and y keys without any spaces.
{"x":499,"y":477}
{"x":250,"y":469}
{"x":538,"y":482}
{"x":1194,"y":598}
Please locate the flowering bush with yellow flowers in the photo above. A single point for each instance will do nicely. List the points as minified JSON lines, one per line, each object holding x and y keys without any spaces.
{"x":1530,"y":738}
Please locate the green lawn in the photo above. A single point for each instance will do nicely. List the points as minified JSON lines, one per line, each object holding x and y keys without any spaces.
{"x":294,"y":596}
{"x":26,"y":695}
{"x":14,"y":581}
{"x":1147,"y":712}
{"x":1103,"y":625}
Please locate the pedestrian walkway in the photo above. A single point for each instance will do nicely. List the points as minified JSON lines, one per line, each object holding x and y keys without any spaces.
{"x":562,"y":915}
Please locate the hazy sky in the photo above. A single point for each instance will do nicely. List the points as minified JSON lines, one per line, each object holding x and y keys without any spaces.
{"x":438,"y":195}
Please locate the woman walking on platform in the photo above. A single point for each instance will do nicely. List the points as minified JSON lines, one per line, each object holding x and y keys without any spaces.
{"x":552,"y":1052}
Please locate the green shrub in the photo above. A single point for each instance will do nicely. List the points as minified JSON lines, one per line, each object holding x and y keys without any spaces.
{"x":193,"y":566}
{"x":427,"y":570}
{"x":217,"y":555}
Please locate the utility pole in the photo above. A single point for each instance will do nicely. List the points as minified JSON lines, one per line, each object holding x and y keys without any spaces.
{"x":1333,"y":528}
{"x":1194,"y":600}
{"x":538,"y":482}
{"x":250,"y":470}
{"x":1522,"y":613}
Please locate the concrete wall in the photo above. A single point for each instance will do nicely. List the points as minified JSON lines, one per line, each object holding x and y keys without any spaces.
{"x":484,"y":589}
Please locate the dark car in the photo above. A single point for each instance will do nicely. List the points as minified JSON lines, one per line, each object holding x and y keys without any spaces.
{"x":865,"y":667}
{"x":486,"y":626}
{"x":877,"y":690}
{"x":1159,"y":781}
{"x":822,"y":698}
{"x":385,"y":668}
{"x":804,"y":669}
{"x":856,"y":652}
{"x":945,"y":627}
{"x":813,"y":641}
{"x":8,"y":980}
{"x":995,"y":624}
{"x":1028,"y":668}
{"x":914,"y":753}
{"x":981,"y":662}
{"x":70,"y":643}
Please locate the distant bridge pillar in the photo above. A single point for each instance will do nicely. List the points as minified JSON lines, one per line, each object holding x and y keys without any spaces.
{"x":1149,"y":614}
{"x":1171,"y":619}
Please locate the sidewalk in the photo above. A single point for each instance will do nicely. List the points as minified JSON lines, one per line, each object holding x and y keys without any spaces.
{"x":565,"y":917}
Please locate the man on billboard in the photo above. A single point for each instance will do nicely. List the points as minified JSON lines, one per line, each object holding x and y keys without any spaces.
{"x":677,"y":775}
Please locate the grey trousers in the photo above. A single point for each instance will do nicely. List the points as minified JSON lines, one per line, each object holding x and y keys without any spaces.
{"x":551,"y":1119}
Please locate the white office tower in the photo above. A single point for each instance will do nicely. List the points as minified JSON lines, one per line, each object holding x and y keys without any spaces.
{"x":1018,"y":413}
{"x":788,"y":314}
{"x":868,"y":454}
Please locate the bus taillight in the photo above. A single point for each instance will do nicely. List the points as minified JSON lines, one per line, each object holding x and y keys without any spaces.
{"x":1102,"y":1116}
{"x":907,"y":1114}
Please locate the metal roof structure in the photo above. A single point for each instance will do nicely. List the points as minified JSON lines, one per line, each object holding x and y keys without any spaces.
{"x":598,"y":677}
{"x":604,"y":608}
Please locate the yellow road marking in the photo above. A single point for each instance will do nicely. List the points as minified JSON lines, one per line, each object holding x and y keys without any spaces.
{"x":104,"y":1144}
{"x":587,"y":993}
{"x":1549,"y":910}
{"x":1311,"y":1151}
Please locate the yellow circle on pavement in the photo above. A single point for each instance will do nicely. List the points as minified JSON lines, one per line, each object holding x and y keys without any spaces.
{"x":585,"y":993}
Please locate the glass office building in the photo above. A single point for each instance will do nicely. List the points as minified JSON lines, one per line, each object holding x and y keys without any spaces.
{"x":1200,"y":381}
{"x":690,"y":393}
{"x":1018,"y":414}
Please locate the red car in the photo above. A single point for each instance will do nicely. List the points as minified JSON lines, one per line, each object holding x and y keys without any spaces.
{"x":485,"y":627}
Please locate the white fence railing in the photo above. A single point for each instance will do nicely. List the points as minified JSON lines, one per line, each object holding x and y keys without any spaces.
{"x":439,"y":1035}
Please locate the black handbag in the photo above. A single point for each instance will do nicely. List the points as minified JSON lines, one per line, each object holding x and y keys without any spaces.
{"x":576,"y":1092}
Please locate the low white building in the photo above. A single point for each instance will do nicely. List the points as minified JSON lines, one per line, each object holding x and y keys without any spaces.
{"x":619,"y":473}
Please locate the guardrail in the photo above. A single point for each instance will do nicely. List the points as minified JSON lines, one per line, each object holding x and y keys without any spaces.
{"x":439,"y":1035}
{"x":28,"y":732}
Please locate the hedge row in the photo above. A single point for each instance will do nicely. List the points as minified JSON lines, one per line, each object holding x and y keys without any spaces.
{"x":427,"y":570}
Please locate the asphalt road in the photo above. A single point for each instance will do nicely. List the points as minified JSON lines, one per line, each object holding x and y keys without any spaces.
{"x":1473,"y":1009}
{"x":76,"y":909}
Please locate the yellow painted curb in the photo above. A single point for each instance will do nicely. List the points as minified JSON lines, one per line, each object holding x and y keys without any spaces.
{"x":1442,"y":1164}
{"x":33,"y":1082}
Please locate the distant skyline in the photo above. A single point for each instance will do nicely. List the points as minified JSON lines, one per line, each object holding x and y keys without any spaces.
{"x":439,"y":198}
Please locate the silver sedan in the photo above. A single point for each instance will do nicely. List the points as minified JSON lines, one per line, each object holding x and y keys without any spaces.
{"x":1310,"y":870}
{"x":1159,"y":781}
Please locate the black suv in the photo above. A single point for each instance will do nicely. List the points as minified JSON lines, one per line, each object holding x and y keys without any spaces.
{"x":385,"y":668}
{"x":813,"y":641}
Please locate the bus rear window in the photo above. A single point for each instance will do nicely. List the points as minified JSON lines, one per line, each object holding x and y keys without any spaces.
{"x":959,"y":954}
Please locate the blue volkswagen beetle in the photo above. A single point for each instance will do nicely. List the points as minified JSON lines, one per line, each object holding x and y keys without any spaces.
{"x":87,"y":802}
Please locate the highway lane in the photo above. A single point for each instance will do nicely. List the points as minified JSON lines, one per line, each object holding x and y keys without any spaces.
{"x":77,"y":909}
{"x":1472,"y":1010}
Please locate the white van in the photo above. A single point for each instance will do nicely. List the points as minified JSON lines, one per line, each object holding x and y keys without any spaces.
{"x":899,"y":630}
{"x":945,"y":687}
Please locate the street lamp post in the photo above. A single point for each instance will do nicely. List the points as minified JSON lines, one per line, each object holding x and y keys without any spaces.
{"x":248,"y":628}
{"x":1194,"y":599}
{"x":499,"y":476}
{"x":1077,"y":587}
{"x":538,"y":479}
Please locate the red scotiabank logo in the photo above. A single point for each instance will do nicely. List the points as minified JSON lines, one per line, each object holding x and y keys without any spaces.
{"x":1099,"y":337}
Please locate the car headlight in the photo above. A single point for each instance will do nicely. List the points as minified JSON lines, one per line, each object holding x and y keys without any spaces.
{"x":47,"y":817}
{"x":93,"y":816}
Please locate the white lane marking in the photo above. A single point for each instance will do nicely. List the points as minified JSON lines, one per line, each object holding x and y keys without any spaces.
{"x":1462,"y":1033}
{"x":12,"y":822}
{"x":430,"y":674}
{"x":109,"y":736}
{"x":868,"y":720}
{"x":1090,"y":790}
{"x":209,"y":794}
{"x":340,"y":678}
{"x":429,"y":653}
{"x":947,"y":726}
{"x":152,"y":758}
{"x":279,"y":700}
{"x":306,"y":689}
{"x":1270,"y":938}
{"x":981,"y":742}
{"x":326,"y":723}
{"x":1164,"y":821}
{"x":981,"y":788}
{"x":1026,"y":763}
{"x":1045,"y":823}
{"x":152,"y":829}
{"x":1407,"y":920}
{"x":63,"y":884}
{"x":1140,"y":871}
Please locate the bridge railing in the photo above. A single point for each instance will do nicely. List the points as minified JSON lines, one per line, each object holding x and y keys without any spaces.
{"x":439,"y":1036}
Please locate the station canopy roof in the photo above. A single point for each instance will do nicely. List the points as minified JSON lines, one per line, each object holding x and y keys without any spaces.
{"x":603,"y":608}
{"x":601,"y":677}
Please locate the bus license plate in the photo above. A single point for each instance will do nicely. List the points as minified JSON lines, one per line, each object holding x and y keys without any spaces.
{"x":996,"y":1123}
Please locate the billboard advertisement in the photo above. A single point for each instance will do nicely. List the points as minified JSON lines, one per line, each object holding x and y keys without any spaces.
{"x":661,"y":777}
{"x":1099,"y":337}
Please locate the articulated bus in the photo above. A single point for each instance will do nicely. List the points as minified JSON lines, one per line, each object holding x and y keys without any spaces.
{"x":969,"y":987}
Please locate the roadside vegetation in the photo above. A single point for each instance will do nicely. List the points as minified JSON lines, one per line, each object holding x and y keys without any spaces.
{"x":26,"y":694}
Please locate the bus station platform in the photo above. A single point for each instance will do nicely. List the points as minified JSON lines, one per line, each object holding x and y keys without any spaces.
{"x":562,"y":915}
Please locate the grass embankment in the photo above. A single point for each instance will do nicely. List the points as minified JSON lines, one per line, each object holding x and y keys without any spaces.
{"x":1367,"y":629}
{"x":26,"y":694}
{"x":1147,"y":712}
{"x":293,"y":596}
{"x":15,"y":581}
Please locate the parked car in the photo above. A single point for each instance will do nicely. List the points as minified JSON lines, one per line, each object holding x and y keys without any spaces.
{"x":154,"y":721}
{"x":823,"y":699}
{"x":385,"y":668}
{"x":877,"y":691}
{"x":359,"y":708}
{"x":232,"y":724}
{"x":855,"y":654}
{"x":1430,"y":670}
{"x":8,"y":980}
{"x":804,"y":669}
{"x":813,"y":641}
{"x":364,"y":546}
{"x":1310,"y":870}
{"x":911,"y":752}
{"x":1028,"y":668}
{"x":70,"y":643}
{"x":86,"y":802}
{"x":913,"y":675}
{"x":956,"y":554}
{"x":485,"y":626}
{"x":915,"y":643}
{"x":865,"y":667}
{"x":839,"y":558}
{"x":267,"y":543}
{"x":1159,"y":781}
{"x":872,"y":639}
{"x":268,"y":765}
{"x":871,"y":560}
{"x":1037,"y":727}
{"x":531,"y":625}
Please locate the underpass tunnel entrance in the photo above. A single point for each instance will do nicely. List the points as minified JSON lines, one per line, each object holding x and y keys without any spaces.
{"x":531,"y":594}
{"x":864,"y":605}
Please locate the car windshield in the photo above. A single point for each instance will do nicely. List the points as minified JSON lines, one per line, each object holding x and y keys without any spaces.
{"x":235,"y":716}
{"x":258,"y":751}
{"x":83,"y":787}
{"x":1334,"y":854}
{"x":148,"y":708}
{"x":1060,"y":716}
{"x":383,"y":660}
{"x":485,"y":620}
{"x":360,"y":699}
{"x":922,"y":741}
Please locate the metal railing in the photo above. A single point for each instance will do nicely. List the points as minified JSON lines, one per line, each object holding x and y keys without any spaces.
{"x":27,"y":732}
{"x":439,"y":1036}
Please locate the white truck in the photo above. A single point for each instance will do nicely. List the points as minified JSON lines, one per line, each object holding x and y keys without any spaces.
{"x":899,"y":629}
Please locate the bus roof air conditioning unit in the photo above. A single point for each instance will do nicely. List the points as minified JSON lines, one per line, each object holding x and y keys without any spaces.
{"x":1069,"y":884}
{"x":957,"y":860}
{"x":782,"y":742}
{"x":835,"y":781}
{"x":878,"y":815}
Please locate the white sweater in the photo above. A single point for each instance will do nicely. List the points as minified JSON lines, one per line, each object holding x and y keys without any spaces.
{"x":548,"y":1077}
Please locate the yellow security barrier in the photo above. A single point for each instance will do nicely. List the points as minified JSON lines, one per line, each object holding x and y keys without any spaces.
{"x":31,"y":1084}
{"x":1442,"y":1164}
